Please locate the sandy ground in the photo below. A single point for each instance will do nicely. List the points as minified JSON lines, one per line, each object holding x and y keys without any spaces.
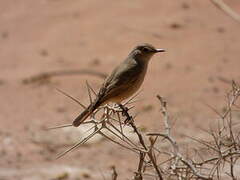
{"x":202,"y":46}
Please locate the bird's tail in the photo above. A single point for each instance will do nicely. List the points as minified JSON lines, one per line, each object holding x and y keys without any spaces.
{"x":87,"y":112}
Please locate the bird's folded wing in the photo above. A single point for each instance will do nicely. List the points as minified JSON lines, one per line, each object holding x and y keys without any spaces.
{"x":122,"y":78}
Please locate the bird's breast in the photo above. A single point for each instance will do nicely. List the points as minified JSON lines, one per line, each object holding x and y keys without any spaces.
{"x":132,"y":85}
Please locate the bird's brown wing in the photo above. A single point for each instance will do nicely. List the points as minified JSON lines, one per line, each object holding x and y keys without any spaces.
{"x":116,"y":83}
{"x":120,"y":80}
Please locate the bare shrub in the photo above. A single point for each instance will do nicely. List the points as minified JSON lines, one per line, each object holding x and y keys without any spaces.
{"x":213,"y":156}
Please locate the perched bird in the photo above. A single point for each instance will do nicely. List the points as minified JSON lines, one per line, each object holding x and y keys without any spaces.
{"x":124,"y":80}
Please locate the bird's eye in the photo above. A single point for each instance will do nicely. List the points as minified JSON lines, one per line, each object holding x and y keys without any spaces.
{"x":145,"y":49}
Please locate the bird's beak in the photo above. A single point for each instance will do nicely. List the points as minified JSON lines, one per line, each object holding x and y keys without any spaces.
{"x":160,"y":50}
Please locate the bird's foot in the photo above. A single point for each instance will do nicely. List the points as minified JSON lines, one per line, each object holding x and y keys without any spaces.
{"x":125,"y":113}
{"x":128,"y":120}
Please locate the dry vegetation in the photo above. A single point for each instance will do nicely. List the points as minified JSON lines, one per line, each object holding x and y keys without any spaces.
{"x":160,"y":154}
{"x":214,"y":158}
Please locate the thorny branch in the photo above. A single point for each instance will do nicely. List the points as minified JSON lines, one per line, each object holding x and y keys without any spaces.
{"x":176,"y":154}
{"x":222,"y":149}
{"x":138,"y":175}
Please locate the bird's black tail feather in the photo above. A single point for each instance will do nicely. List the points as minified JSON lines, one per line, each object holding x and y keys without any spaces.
{"x":87,"y":112}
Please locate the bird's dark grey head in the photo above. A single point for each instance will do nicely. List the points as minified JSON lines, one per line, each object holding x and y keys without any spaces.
{"x":144,"y":52}
{"x":148,"y":48}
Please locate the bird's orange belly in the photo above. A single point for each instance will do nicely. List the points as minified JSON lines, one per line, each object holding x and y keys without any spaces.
{"x":128,"y":92}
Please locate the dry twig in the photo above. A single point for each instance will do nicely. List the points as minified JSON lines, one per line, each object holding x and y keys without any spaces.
{"x":46,"y":76}
{"x":225,"y":8}
{"x":114,"y":173}
{"x":223,"y":149}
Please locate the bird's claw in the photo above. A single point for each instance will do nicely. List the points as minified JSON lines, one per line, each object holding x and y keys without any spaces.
{"x":128,"y":120}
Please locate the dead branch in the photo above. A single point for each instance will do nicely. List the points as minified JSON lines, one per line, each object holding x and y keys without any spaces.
{"x":176,"y":154}
{"x":223,"y":147}
{"x":226,"y":9}
{"x":114,"y":173}
{"x":46,"y":76}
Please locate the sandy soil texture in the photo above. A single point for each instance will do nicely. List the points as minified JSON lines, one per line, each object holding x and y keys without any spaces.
{"x":202,"y":44}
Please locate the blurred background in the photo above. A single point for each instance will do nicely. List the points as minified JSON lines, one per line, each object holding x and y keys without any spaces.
{"x":36,"y":37}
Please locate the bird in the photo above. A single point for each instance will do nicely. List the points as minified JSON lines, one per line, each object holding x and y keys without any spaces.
{"x":123,"y":82}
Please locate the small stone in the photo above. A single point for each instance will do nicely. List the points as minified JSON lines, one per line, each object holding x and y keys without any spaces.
{"x":210,"y":79}
{"x":215,"y":89}
{"x":157,"y":35}
{"x":147,"y":108}
{"x":96,"y":62}
{"x":19,"y":155}
{"x":225,"y":60}
{"x":188,"y":68}
{"x":185,"y":5}
{"x":86,"y":175}
{"x":220,"y":30}
{"x":2,"y":82}
{"x":3,"y":152}
{"x":175,"y":25}
{"x":76,"y":14}
{"x":168,"y":66}
{"x":44,"y":53}
{"x":5,"y":35}
{"x":61,"y":176}
{"x":61,"y":109}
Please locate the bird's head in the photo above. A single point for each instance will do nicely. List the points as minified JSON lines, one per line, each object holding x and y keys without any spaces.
{"x":144,"y":52}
